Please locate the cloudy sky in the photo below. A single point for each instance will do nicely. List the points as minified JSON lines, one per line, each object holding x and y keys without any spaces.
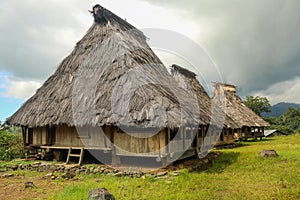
{"x":252,"y":44}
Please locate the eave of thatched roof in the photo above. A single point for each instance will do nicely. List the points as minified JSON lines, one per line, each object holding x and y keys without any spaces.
{"x":188,"y":81}
{"x":235,"y":107}
{"x":112,"y":77}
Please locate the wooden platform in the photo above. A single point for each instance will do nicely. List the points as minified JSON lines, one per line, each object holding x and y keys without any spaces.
{"x":65,"y":147}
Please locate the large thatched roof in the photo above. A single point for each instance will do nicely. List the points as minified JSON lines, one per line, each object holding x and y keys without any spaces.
{"x":235,"y":107}
{"x":112,"y":77}
{"x":188,"y":81}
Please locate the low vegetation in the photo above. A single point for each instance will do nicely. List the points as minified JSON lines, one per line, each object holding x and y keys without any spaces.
{"x":239,"y":173}
{"x":10,"y":144}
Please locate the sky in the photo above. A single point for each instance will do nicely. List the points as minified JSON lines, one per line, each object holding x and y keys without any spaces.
{"x":254,"y":45}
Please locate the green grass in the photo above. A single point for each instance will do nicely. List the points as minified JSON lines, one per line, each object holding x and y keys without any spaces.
{"x":238,"y":173}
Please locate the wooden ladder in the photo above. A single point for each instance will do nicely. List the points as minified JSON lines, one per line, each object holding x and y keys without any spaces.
{"x":80,"y":155}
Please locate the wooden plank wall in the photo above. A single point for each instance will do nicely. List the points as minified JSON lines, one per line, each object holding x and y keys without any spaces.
{"x":83,"y":137}
{"x":135,"y":144}
{"x":39,"y":136}
{"x":97,"y":137}
{"x":228,"y":137}
{"x":67,"y":137}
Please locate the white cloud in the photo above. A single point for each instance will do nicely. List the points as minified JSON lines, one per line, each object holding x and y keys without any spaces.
{"x":20,"y":89}
{"x":35,"y":39}
{"x":286,"y":91}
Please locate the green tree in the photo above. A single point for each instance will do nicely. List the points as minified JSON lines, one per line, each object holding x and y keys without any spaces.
{"x":291,"y":118}
{"x":11,"y":146}
{"x":258,"y":104}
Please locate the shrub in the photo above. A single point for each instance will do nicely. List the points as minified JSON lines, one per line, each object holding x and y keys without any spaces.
{"x":10,"y":145}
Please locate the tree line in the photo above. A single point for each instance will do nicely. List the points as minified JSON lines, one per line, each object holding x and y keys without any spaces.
{"x":288,"y":122}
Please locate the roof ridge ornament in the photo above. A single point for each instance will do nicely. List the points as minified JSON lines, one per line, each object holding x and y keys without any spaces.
{"x":99,"y":13}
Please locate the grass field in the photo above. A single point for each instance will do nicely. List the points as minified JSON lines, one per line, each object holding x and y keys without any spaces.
{"x":238,"y":173}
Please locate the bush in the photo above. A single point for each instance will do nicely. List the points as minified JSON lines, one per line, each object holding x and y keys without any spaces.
{"x":297,"y":131}
{"x":10,"y":145}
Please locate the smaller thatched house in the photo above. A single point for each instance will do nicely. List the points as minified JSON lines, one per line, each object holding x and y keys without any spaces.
{"x":250,"y":124}
{"x":220,"y":123}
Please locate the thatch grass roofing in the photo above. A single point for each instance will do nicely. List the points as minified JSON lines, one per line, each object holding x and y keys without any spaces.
{"x":235,"y":107}
{"x":188,"y":81}
{"x":112,"y":77}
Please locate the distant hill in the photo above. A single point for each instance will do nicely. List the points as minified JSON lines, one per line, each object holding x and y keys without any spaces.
{"x":279,"y":109}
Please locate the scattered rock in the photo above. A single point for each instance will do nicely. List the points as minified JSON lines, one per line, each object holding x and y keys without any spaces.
{"x":268,"y":153}
{"x":175,"y":173}
{"x":7,"y":175}
{"x":100,"y":194}
{"x":78,"y":179}
{"x":29,"y":185}
{"x":20,"y":167}
{"x":160,"y":174}
{"x":49,"y":175}
{"x":14,"y":167}
{"x":119,"y":174}
{"x":68,"y":175}
{"x":36,"y":163}
{"x":102,"y":169}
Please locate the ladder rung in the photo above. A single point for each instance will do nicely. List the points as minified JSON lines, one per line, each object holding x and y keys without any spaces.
{"x":77,"y":148}
{"x":74,"y":155}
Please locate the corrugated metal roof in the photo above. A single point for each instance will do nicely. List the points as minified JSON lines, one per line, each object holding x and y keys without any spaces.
{"x":269,"y":132}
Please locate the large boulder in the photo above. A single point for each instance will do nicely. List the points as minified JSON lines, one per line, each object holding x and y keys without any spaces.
{"x":100,"y":194}
{"x":268,"y":153}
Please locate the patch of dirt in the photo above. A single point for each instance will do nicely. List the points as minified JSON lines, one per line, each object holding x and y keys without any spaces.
{"x":14,"y":187}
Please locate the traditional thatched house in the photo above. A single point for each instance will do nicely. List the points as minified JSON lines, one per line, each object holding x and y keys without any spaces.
{"x":250,"y":124}
{"x":223,"y":123}
{"x":112,"y":94}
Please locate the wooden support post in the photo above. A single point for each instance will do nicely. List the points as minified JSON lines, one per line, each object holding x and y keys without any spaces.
{"x":24,"y":133}
{"x":183,"y":129}
{"x":104,"y":130}
{"x":115,"y":160}
{"x":167,"y":140}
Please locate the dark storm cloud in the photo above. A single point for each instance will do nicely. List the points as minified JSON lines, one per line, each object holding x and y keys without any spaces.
{"x":36,"y":34}
{"x":255,"y":43}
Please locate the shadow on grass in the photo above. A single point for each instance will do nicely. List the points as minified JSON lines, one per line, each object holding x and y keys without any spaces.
{"x":223,"y":161}
{"x":238,"y":144}
{"x":231,"y":146}
{"x":258,"y":140}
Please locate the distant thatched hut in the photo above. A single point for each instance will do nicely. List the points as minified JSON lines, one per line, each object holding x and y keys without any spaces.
{"x":250,"y":124}
{"x":218,"y":118}
{"x":111,"y":94}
